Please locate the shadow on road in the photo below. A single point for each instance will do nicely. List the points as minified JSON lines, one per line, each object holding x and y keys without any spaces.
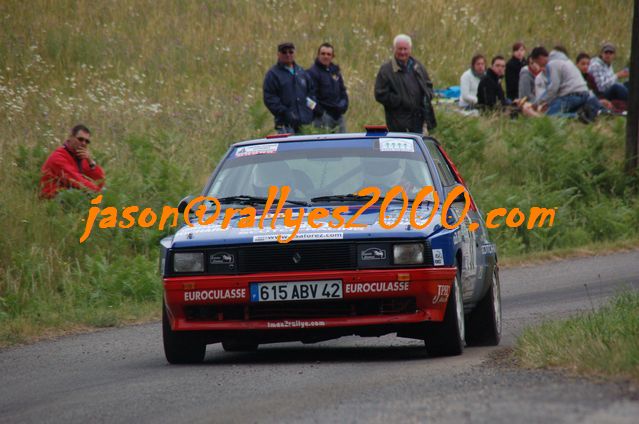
{"x":272,"y":354}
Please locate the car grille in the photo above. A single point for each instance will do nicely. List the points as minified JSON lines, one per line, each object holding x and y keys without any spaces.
{"x":302,"y":309}
{"x":298,"y":257}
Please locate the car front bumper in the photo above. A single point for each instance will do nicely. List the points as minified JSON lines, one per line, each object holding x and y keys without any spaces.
{"x":427,"y":290}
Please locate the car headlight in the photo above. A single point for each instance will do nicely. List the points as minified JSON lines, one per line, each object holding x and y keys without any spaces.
{"x":188,"y":262}
{"x":408,"y":254}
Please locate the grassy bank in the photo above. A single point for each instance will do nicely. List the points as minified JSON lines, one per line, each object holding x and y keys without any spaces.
{"x":167,"y":86}
{"x":603,"y":343}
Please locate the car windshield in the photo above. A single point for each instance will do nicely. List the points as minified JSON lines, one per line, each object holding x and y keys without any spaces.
{"x":323,"y":168}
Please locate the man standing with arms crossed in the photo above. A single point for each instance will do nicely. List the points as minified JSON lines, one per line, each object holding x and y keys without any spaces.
{"x":405,"y":90}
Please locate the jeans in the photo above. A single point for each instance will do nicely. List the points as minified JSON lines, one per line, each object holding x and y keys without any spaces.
{"x":330,"y":124}
{"x":616,"y":92}
{"x":567,"y":106}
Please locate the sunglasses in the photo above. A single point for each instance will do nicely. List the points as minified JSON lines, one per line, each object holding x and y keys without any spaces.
{"x":84,"y":140}
{"x":288,"y":51}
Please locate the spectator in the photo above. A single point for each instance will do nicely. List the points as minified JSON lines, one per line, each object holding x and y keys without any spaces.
{"x":405,"y":90}
{"x":490,"y":94}
{"x":583,"y":63}
{"x":566,"y":90}
{"x":331,"y":93}
{"x":605,"y":77}
{"x":71,"y":166}
{"x":527,"y":77}
{"x":513,"y":69}
{"x":289,"y":93}
{"x":470,"y":81}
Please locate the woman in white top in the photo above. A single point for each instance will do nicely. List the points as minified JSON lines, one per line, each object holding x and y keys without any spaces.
{"x":470,"y":81}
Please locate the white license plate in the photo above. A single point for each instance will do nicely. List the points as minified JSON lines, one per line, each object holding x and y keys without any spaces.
{"x":296,"y":290}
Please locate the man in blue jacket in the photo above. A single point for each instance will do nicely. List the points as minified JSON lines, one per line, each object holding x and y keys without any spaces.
{"x":289,"y":92}
{"x":331,"y":92}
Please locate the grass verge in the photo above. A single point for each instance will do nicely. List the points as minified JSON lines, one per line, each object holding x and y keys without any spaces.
{"x":601,"y":343}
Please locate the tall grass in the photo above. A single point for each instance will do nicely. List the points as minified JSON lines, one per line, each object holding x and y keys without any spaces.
{"x":166,"y":86}
{"x":604,"y":342}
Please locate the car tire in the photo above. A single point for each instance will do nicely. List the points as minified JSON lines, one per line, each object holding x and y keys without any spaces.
{"x":484,"y":322}
{"x":448,"y":337}
{"x":180,"y":347}
{"x":239,"y":346}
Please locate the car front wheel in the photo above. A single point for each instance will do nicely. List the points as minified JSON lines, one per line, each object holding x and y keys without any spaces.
{"x":448,"y":337}
{"x":484,"y":323}
{"x":180,"y":347}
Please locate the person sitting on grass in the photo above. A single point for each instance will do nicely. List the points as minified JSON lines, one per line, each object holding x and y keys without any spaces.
{"x":490,"y":94}
{"x":470,"y":81}
{"x":566,"y":92}
{"x":71,"y":166}
{"x":605,"y":77}
{"x":583,"y":63}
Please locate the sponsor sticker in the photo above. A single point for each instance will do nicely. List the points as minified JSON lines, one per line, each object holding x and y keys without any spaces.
{"x":295,"y":324}
{"x":488,"y":249}
{"x":438,"y":256}
{"x":373,"y":254}
{"x":442,"y":294}
{"x":217,"y":294}
{"x":396,"y":145}
{"x":261,"y":149}
{"x":377,"y":287}
{"x":302,"y":236}
{"x":221,"y":258}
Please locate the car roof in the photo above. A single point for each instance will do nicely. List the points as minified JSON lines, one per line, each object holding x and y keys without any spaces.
{"x":318,"y":137}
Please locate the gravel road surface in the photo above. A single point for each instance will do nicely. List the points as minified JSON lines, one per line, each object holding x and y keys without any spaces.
{"x":120,"y":375}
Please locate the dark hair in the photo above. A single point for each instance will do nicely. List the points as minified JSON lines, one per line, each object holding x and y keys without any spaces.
{"x":582,"y":55}
{"x":329,"y":45}
{"x":539,"y":51}
{"x":496,"y":58}
{"x":475,"y":59}
{"x":518,"y":45}
{"x":75,"y":130}
{"x":561,"y":48}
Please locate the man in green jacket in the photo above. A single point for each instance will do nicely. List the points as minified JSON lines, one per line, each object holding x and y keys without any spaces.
{"x":405,"y":90}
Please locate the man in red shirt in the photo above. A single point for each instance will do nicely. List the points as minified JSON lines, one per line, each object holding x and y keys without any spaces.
{"x":71,"y":166}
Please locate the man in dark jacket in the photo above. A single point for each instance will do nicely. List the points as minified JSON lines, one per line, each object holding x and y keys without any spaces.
{"x":405,"y":90}
{"x":330,"y":89}
{"x":289,"y":92}
{"x":490,"y":94}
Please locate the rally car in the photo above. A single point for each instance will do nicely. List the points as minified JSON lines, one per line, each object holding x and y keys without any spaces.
{"x":248,"y":279}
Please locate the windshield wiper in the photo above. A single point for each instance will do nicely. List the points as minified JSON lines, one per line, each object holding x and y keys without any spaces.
{"x":246,"y":199}
{"x":352,"y":197}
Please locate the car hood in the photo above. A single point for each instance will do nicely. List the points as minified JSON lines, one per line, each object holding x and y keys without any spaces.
{"x":213,"y":234}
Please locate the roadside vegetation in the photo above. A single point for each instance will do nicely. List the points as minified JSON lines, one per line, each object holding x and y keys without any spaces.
{"x":601,"y":343}
{"x":166,"y":86}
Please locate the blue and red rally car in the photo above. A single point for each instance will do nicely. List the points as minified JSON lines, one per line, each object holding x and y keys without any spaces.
{"x":254,"y":267}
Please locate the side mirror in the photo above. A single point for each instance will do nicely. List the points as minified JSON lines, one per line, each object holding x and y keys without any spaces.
{"x":184,"y":203}
{"x":460,"y":199}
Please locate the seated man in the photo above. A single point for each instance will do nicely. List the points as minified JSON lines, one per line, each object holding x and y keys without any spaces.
{"x":490,"y":94}
{"x":566,"y":91}
{"x":71,"y":166}
{"x":470,"y":81}
{"x":605,"y":77}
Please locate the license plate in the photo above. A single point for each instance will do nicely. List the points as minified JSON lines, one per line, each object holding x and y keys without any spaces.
{"x":296,"y":290}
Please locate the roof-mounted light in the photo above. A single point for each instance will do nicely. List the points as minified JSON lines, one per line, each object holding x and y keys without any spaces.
{"x":376,"y":130}
{"x":279,"y":135}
